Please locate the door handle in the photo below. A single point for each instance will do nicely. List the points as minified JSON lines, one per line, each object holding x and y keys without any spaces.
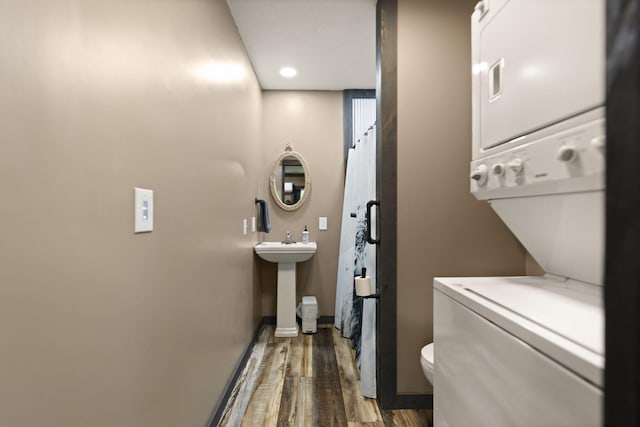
{"x":370,"y":239}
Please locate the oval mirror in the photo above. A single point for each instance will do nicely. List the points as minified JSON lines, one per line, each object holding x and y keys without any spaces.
{"x":290,"y":181}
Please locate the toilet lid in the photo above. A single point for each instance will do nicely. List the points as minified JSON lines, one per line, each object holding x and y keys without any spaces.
{"x":427,"y":354}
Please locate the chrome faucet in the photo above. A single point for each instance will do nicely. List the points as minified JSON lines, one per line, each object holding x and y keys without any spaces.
{"x":287,"y":240}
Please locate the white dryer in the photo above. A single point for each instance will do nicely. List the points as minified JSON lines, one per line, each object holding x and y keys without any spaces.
{"x":529,"y":351}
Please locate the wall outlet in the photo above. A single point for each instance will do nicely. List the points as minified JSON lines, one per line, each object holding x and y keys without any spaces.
{"x":322,"y":223}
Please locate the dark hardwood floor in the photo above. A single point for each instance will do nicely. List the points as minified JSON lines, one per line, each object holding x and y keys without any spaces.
{"x":310,"y":380}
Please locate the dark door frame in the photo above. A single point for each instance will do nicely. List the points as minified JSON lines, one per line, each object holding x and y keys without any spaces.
{"x":387,"y":165}
{"x":386,"y":159}
{"x":622,"y":263}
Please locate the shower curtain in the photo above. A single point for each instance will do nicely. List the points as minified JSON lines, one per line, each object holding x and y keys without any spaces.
{"x":355,"y":317}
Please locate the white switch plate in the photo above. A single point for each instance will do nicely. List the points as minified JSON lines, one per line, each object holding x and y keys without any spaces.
{"x":322,"y":223}
{"x":253,"y":224}
{"x":244,"y":226}
{"x":143,"y":210}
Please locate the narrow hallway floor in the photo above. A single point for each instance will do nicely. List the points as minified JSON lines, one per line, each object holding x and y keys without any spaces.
{"x":309,"y":380}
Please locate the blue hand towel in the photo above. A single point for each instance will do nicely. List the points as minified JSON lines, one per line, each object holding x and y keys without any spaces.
{"x":263,"y":216}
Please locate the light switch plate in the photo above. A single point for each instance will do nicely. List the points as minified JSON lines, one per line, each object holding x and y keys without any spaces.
{"x":244,"y":226}
{"x":253,"y":224}
{"x":143,"y":210}
{"x":322,"y":223}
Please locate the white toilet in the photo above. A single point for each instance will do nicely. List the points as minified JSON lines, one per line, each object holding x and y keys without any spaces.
{"x":426,"y":360}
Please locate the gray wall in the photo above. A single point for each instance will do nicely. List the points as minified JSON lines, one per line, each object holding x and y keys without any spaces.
{"x":442,"y":229}
{"x":99,"y":326}
{"x":312,"y":120}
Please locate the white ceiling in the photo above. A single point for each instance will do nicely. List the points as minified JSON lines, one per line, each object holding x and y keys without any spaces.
{"x":331,"y":43}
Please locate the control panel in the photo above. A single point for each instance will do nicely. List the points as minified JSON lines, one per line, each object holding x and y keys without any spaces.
{"x":567,"y":161}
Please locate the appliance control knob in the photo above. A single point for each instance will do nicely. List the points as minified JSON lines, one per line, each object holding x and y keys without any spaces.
{"x":567,"y":153}
{"x":598,"y":142}
{"x":479,"y":175}
{"x":516,"y":165}
{"x":498,"y":169}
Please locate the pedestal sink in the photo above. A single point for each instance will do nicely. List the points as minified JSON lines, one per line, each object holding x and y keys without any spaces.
{"x":286,"y":255}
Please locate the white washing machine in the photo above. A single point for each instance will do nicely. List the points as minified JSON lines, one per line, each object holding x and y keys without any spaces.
{"x":517,"y":351}
{"x":529,"y":351}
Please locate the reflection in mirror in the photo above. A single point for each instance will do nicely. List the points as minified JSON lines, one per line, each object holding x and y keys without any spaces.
{"x":290,"y":181}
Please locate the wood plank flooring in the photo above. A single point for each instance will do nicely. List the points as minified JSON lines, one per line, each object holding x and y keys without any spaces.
{"x":309,"y":380}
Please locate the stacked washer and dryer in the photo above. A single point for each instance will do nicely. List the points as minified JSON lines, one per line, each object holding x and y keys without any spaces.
{"x":529,"y":351}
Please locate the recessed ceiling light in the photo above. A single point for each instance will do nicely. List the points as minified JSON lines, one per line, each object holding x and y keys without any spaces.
{"x":288,"y":72}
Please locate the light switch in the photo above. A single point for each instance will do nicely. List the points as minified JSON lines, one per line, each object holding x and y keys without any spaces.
{"x":322,"y":223}
{"x":253,"y":224}
{"x":143,"y":210}
{"x":244,"y":226}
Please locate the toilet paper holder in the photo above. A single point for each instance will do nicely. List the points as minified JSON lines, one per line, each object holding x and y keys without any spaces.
{"x":363,"y":286}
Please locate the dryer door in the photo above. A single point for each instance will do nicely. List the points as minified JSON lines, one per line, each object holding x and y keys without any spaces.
{"x":536,"y":63}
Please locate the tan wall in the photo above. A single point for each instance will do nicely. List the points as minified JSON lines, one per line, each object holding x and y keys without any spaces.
{"x":313,"y":122}
{"x":532,"y":266}
{"x":101,"y":327}
{"x":442,"y":229}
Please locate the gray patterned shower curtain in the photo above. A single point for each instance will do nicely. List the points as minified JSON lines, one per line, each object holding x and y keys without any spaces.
{"x":355,"y":317}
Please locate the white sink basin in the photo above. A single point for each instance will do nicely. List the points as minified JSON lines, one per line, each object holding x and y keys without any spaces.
{"x":286,"y":252}
{"x":286,"y":255}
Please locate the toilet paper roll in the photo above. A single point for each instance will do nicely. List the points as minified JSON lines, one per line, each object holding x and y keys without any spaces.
{"x":363,"y":286}
{"x":288,"y":187}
